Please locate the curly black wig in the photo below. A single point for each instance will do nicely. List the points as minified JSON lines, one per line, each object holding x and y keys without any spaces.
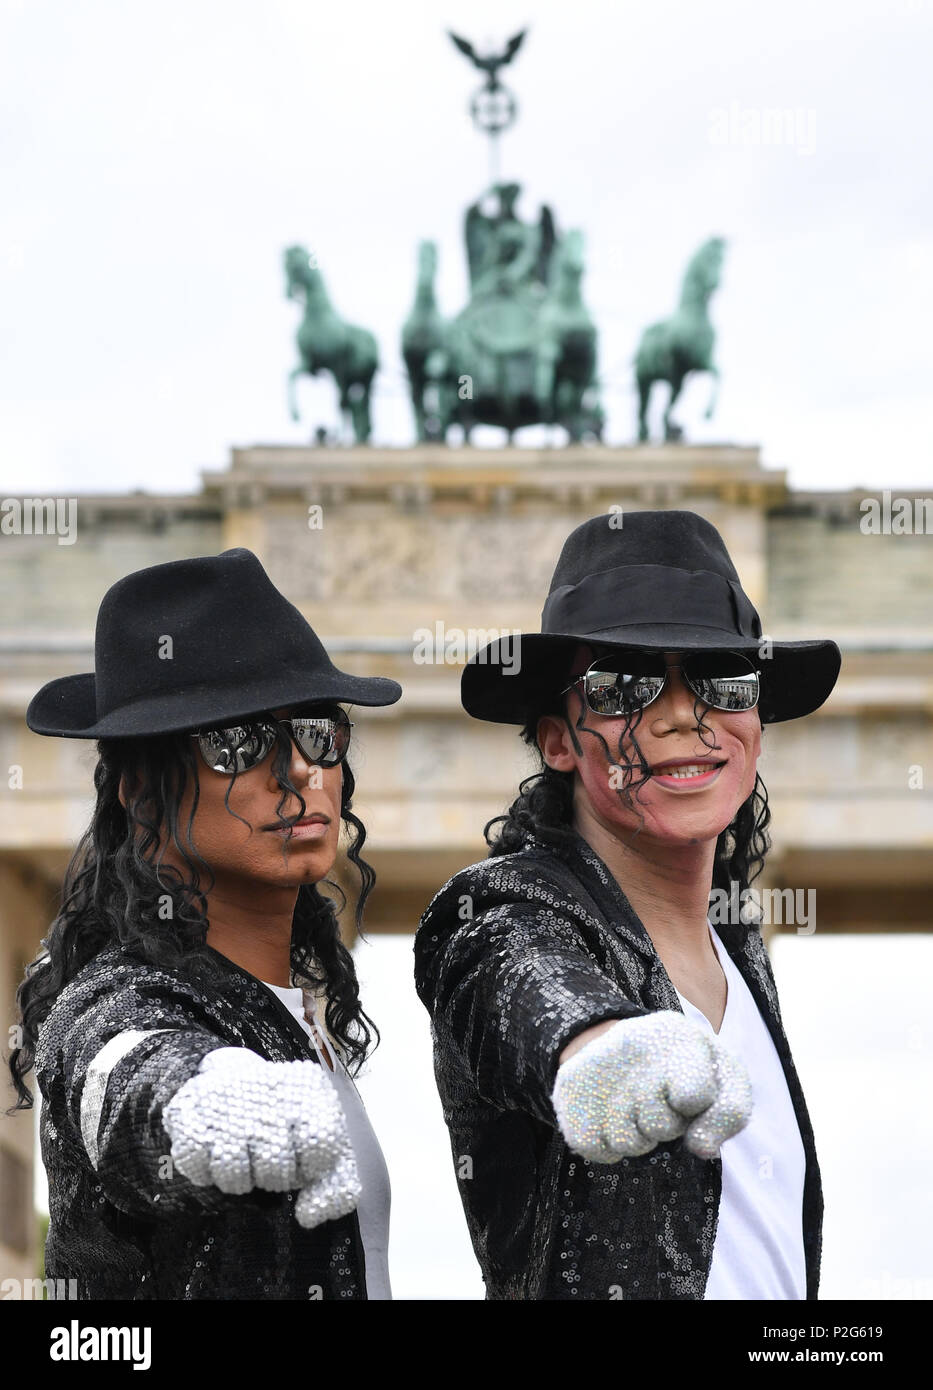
{"x":117,"y":889}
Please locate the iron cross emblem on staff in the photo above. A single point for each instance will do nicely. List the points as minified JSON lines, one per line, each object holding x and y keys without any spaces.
{"x":493,"y":107}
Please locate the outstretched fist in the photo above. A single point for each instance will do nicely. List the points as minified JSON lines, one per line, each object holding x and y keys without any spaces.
{"x":650,"y":1079}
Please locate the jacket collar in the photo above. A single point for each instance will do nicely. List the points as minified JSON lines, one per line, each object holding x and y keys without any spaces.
{"x":602,"y":885}
{"x":271,"y":1001}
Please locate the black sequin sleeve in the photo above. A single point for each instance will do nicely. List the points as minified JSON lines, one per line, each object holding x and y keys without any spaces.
{"x":111,"y":1055}
{"x":509,"y":988}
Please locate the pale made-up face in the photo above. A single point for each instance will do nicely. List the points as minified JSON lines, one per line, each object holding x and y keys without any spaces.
{"x":715,"y":773}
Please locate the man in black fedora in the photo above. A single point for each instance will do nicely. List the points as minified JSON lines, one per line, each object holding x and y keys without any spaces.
{"x":613,"y":1065}
{"x":194,"y":1018}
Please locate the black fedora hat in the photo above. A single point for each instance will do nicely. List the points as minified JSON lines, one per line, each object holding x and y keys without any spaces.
{"x":191,"y":643}
{"x":656,"y":580}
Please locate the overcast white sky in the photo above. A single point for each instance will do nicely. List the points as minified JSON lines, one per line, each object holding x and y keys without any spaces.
{"x":157,"y":157}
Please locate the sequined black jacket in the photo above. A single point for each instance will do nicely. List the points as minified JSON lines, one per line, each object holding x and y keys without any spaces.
{"x":514,"y":957}
{"x":131,"y":1228}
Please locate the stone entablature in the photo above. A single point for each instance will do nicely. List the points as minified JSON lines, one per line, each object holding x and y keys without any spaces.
{"x":468,"y":538}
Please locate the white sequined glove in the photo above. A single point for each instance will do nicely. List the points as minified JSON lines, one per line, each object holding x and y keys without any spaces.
{"x":242,"y":1122}
{"x":649,"y":1079}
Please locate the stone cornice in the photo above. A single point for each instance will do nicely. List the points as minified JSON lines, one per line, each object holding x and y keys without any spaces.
{"x":148,"y":510}
{"x":649,"y":475}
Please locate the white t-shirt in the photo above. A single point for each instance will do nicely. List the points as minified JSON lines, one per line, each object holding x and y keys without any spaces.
{"x":373,"y":1206}
{"x":758,"y":1252}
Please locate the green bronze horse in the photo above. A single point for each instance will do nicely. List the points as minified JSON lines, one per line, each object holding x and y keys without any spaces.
{"x":673,"y":348}
{"x":326,"y":343}
{"x":566,"y":365}
{"x":423,"y":335}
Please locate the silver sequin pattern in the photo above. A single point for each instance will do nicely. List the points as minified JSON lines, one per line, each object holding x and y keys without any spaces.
{"x":243,"y":1123}
{"x":514,"y":957}
{"x":648,"y":1079}
{"x":126,"y":1223}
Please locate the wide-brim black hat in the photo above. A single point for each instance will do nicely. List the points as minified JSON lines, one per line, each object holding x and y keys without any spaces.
{"x":656,"y":580}
{"x":192,"y":643}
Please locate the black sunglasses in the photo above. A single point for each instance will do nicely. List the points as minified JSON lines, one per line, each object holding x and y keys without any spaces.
{"x":322,"y":738}
{"x":624,"y":682}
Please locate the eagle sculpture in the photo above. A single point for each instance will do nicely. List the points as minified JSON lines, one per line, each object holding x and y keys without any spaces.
{"x":491,"y":64}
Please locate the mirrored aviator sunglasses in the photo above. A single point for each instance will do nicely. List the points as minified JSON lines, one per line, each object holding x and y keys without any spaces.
{"x":322,"y":738}
{"x":621,"y":683}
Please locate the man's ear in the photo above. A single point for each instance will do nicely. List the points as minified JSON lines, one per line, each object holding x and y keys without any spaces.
{"x":125,"y":789}
{"x":551,"y":735}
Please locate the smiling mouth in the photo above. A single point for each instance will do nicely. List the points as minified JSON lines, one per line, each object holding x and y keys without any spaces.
{"x":693,"y":770}
{"x":684,"y":772}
